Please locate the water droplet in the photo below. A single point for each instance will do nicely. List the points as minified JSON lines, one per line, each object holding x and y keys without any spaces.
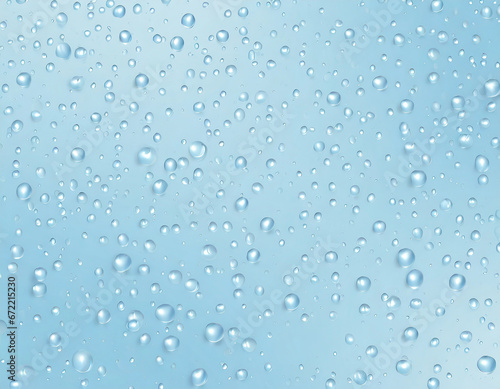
{"x":222,"y":36}
{"x":214,"y":332}
{"x":199,"y":377}
{"x":63,"y":50}
{"x":241,"y":204}
{"x":177,"y":43}
{"x":209,"y":251}
{"x":359,"y":377}
{"x":333,"y":98}
{"x":267,"y":224}
{"x":410,"y":334}
{"x":125,"y":36}
{"x":24,"y":191}
{"x":170,"y":165}
{"x":23,"y":80}
{"x":17,"y":126}
{"x":418,"y":178}
{"x":197,"y":150}
{"x":380,"y":83}
{"x":103,"y":316}
{"x":249,"y":345}
{"x":253,"y":255}
{"x":414,"y":279}
{"x":82,"y":361}
{"x":433,"y":383}
{"x":160,"y":187}
{"x":291,"y":302}
{"x":146,"y":156}
{"x":141,"y":80}
{"x":241,"y":375}
{"x":403,"y":367}
{"x":119,"y":11}
{"x":78,"y":154}
{"x":406,"y":257}
{"x":165,"y":313}
{"x":77,"y":83}
{"x":188,"y":20}
{"x":457,"y":282}
{"x":55,"y":339}
{"x":39,"y":289}
{"x":486,"y":364}
{"x":122,"y":263}
{"x":437,"y":6}
{"x":482,"y":163}
{"x":198,"y":107}
{"x":16,"y":251}
{"x":363,"y":284}
{"x":466,"y":336}
{"x":492,"y":88}
{"x":407,"y":106}
{"x":171,"y":343}
{"x":135,"y":320}
{"x":379,"y":227}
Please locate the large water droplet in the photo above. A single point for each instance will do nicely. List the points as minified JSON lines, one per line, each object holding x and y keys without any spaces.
{"x":125,"y":36}
{"x":24,"y":191}
{"x":253,"y":255}
{"x":403,"y":367}
{"x":78,"y":154}
{"x":197,"y":150}
{"x":122,"y":263}
{"x":146,"y":156}
{"x":214,"y":332}
{"x":39,"y":289}
{"x":418,"y":178}
{"x":363,"y":284}
{"x":188,"y":20}
{"x":103,"y":316}
{"x":457,"y":282}
{"x":241,"y":204}
{"x":160,"y":187}
{"x":291,"y":302}
{"x":23,"y":80}
{"x":63,"y":50}
{"x":177,"y":43}
{"x":410,"y":334}
{"x":379,"y":83}
{"x":165,"y":313}
{"x":55,"y":339}
{"x":241,"y":374}
{"x":379,"y":227}
{"x":433,"y":383}
{"x":482,"y":163}
{"x":222,"y":36}
{"x":333,"y":98}
{"x":267,"y":224}
{"x":486,"y":364}
{"x":141,"y":80}
{"x":77,"y":83}
{"x":414,"y":279}
{"x":406,"y":257}
{"x":359,"y":377}
{"x":171,"y":343}
{"x":199,"y":377}
{"x":82,"y":361}
{"x":249,"y":345}
{"x":492,"y":88}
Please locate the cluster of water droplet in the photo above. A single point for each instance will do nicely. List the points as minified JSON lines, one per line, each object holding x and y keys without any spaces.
{"x":253,"y":192}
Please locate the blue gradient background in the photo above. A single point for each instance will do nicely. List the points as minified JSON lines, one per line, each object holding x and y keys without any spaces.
{"x":279,"y":138}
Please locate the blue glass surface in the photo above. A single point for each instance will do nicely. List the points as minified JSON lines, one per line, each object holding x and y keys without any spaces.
{"x":249,"y":194}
